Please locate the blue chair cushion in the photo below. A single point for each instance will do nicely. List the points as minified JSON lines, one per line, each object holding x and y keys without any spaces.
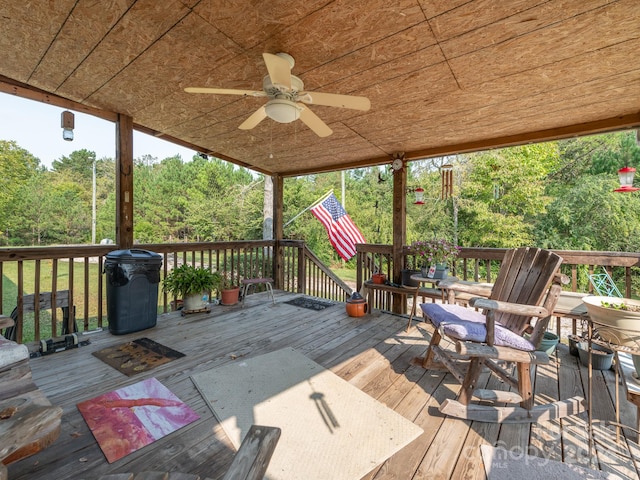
{"x":467,"y":324}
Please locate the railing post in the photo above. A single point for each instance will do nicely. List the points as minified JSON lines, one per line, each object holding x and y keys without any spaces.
{"x":359,"y":268}
{"x":278,"y":231}
{"x":399,"y":233}
{"x":302,"y":279}
{"x":124,"y":181}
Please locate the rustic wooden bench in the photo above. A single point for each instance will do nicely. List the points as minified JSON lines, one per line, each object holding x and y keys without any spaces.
{"x":45,"y":301}
{"x":250,"y":463}
{"x":28,"y":421}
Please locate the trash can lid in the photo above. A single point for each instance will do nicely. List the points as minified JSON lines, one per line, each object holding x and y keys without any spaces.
{"x":134,"y":256}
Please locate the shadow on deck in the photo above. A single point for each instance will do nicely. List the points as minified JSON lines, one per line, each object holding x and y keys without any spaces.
{"x":372,"y":353}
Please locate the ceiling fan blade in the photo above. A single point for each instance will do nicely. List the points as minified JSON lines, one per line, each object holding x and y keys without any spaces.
{"x":335,"y":100}
{"x":225,"y":91}
{"x":254,"y":119}
{"x":314,"y":122}
{"x":279,"y":70}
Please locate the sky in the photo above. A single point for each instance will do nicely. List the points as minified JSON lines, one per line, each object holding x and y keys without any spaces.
{"x":35,"y":126}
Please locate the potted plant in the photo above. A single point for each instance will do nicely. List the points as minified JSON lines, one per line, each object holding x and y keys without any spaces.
{"x":616,"y":321}
{"x":192,"y":284}
{"x":435,"y":256}
{"x":407,"y":272}
{"x":229,"y":290}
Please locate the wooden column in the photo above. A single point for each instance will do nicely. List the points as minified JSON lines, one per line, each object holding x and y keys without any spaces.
{"x":399,"y":232}
{"x":124,"y":182}
{"x":278,"y":230}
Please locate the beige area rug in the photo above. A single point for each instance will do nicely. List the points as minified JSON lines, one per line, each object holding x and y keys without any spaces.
{"x":330,"y":429}
{"x":502,"y":464}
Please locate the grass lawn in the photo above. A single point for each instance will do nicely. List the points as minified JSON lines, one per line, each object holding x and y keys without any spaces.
{"x":345,"y":274}
{"x":10,"y":294}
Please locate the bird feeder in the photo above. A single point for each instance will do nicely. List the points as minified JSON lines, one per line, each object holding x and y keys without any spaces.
{"x":419,"y":192}
{"x":626,"y":175}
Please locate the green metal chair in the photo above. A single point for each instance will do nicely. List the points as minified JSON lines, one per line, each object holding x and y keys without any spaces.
{"x":604,"y":285}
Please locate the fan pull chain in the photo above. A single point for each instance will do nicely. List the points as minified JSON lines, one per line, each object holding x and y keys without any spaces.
{"x":271,"y":139}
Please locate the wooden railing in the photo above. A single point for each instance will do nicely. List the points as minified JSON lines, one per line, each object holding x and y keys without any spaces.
{"x":482,"y":264}
{"x":79,"y":269}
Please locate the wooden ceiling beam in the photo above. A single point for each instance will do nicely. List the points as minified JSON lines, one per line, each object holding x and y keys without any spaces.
{"x":591,"y":128}
{"x":578,"y":130}
{"x":13,"y":87}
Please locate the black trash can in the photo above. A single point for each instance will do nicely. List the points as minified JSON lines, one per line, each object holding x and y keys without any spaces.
{"x":133,"y":278}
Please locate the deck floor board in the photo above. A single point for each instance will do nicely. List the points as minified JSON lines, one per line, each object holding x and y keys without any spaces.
{"x":373,"y":353}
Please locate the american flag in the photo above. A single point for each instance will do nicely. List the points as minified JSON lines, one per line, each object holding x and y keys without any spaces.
{"x":343,"y":233}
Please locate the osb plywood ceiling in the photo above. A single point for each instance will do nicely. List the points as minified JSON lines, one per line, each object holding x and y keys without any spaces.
{"x":442,"y":75}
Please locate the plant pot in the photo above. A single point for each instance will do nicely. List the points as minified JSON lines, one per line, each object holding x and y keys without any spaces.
{"x":356,"y":306}
{"x":620,"y":327}
{"x":601,"y":357}
{"x":435,"y":271}
{"x":441,"y":272}
{"x":230,"y":296}
{"x":195,"y":301}
{"x":548,"y":343}
{"x":573,"y":344}
{"x":406,"y":278}
{"x":636,"y":363}
{"x":379,"y":278}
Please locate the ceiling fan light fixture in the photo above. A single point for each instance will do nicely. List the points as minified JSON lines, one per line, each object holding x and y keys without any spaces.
{"x":282,"y":110}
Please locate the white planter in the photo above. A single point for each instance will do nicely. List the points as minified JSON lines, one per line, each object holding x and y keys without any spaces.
{"x":616,"y":326}
{"x":195,"y":301}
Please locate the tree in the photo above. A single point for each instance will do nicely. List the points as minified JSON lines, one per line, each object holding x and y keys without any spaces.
{"x":78,"y":165}
{"x":502,"y":193}
{"x":16,"y":168}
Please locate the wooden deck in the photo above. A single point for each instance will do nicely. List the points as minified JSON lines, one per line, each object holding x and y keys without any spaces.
{"x":372,"y":352}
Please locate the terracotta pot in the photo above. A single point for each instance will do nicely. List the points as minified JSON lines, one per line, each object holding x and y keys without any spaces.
{"x":356,"y":306}
{"x":379,"y":278}
{"x":230,"y":296}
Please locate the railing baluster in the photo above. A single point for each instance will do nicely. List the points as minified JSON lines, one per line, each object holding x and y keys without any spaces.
{"x":20,"y":306}
{"x":86,"y":293}
{"x":72,"y":311}
{"x":54,"y":289}
{"x":36,"y":291}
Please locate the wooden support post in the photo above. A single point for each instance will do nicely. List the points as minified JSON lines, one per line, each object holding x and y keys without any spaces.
{"x":399,"y":232}
{"x":124,"y":181}
{"x":278,"y":231}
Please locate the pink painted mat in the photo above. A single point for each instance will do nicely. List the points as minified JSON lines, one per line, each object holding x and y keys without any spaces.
{"x":127,"y":419}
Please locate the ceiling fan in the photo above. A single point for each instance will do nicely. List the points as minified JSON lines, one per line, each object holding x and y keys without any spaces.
{"x":287,"y":98}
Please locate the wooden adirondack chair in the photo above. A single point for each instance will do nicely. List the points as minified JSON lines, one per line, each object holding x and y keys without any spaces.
{"x":492,"y":333}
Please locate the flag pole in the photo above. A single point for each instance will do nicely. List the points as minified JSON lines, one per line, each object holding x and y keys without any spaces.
{"x":322,"y":198}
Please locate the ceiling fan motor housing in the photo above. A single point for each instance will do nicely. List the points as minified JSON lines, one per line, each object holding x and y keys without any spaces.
{"x":272,"y":91}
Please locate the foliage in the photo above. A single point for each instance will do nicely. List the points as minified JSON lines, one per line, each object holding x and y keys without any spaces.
{"x":227,"y":281}
{"x":502,"y":192}
{"x":435,"y":251}
{"x":187,"y":279}
{"x":555,"y":195}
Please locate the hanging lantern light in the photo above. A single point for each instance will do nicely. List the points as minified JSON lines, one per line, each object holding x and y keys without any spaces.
{"x":419,"y":192}
{"x":67,"y":124}
{"x":626,"y":175}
